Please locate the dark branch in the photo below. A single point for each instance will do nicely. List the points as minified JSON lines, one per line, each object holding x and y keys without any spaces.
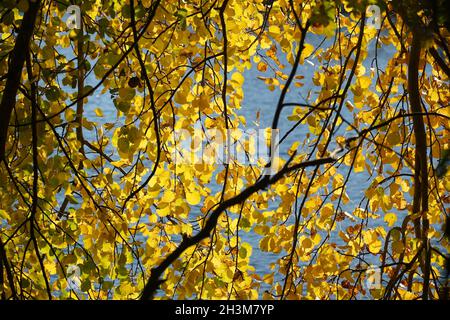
{"x":16,"y":61}
{"x":154,"y":281}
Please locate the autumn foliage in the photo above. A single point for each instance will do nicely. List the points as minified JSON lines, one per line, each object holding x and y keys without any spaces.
{"x":88,"y":184}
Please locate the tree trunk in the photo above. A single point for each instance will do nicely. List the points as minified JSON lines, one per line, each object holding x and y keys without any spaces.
{"x":16,"y":60}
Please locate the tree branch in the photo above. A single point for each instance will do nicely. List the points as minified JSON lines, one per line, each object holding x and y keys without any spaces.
{"x":16,"y":61}
{"x":154,"y":281}
{"x":420,"y":199}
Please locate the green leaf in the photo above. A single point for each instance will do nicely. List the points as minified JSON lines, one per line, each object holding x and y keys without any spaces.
{"x":52,"y":93}
{"x":242,"y":252}
{"x":122,"y":106}
{"x":123,"y":144}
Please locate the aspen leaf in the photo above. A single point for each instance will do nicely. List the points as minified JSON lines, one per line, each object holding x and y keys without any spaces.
{"x":307,"y":50}
{"x":98,"y":112}
{"x":364,"y":82}
{"x":262,"y":67}
{"x":239,"y":78}
{"x":3,"y":214}
{"x":193,"y":198}
{"x":390,"y":219}
{"x":307,"y":243}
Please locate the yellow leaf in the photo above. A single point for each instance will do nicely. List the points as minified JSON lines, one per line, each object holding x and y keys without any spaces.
{"x":375,"y":247}
{"x":307,"y":50}
{"x":193,"y":198}
{"x":262,"y":66}
{"x":390,"y":219}
{"x":98,"y":112}
{"x":274,"y":30}
{"x":239,"y":78}
{"x":293,"y":148}
{"x":4,"y":214}
{"x":307,"y":243}
{"x":364,"y":82}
